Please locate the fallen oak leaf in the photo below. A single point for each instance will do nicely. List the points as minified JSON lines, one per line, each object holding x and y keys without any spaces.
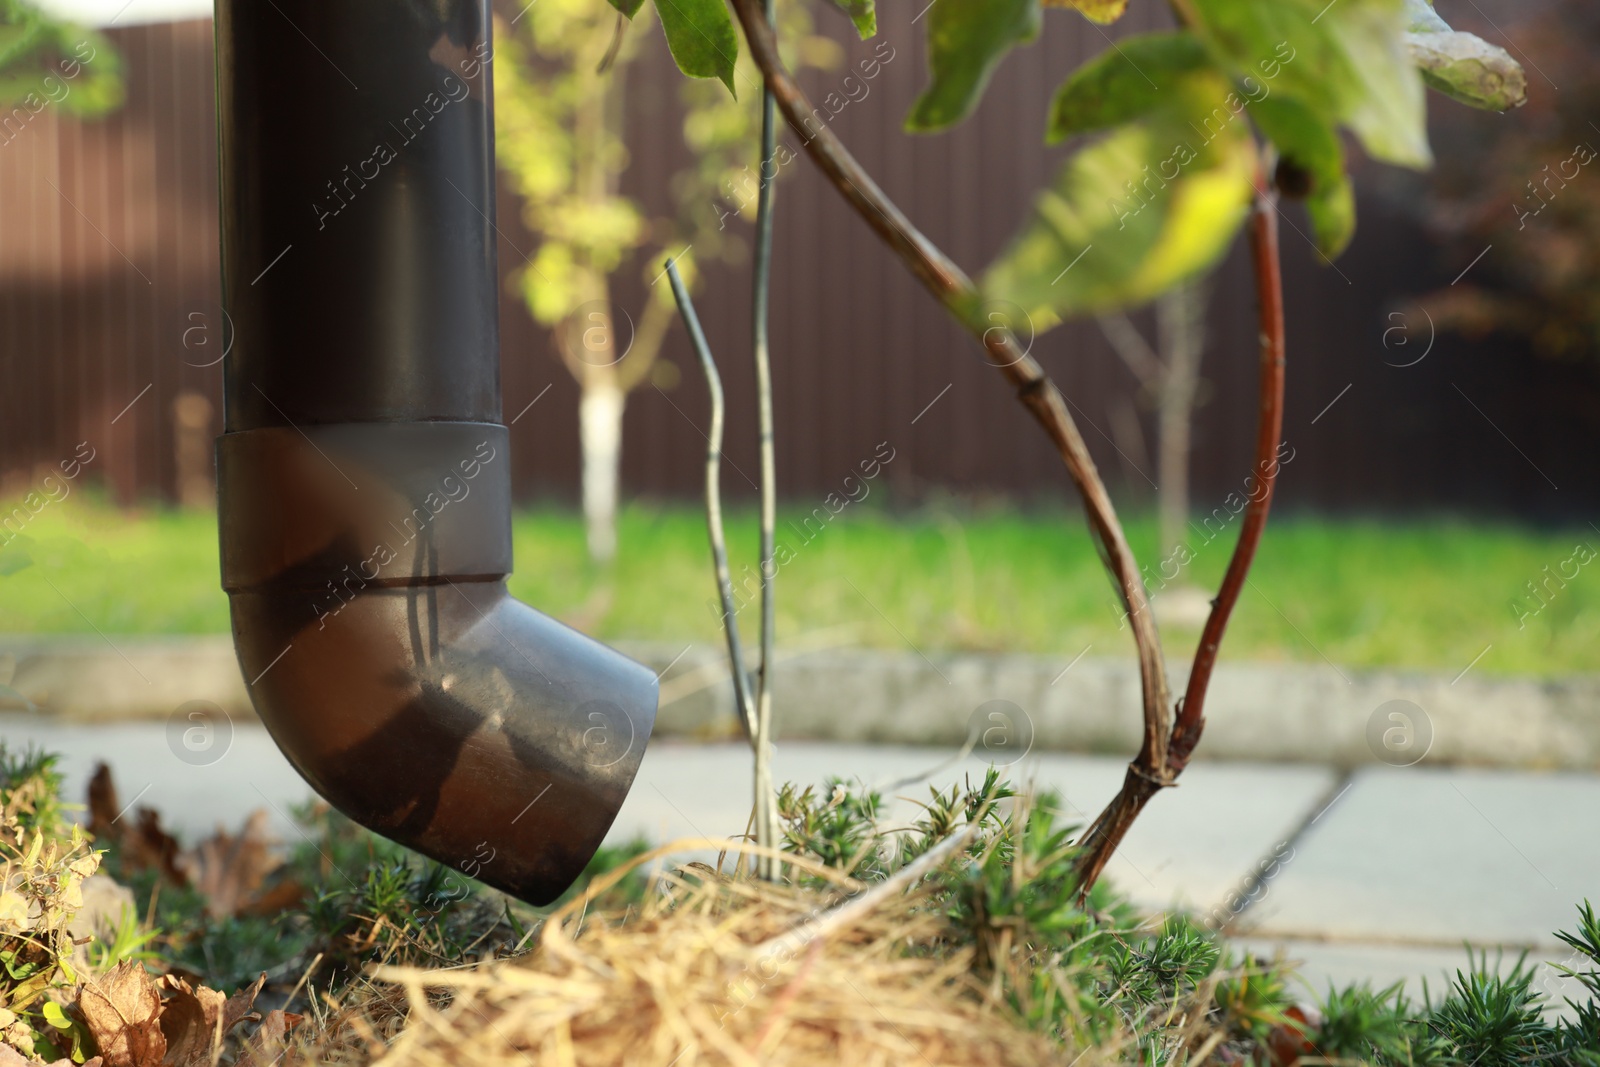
{"x":283,"y":896}
{"x":178,"y":970}
{"x":227,"y":870}
{"x":145,"y":845}
{"x":242,"y":1004}
{"x":103,"y":809}
{"x":196,"y":1020}
{"x":156,"y":849}
{"x":265,"y":1047}
{"x":122,"y":1010}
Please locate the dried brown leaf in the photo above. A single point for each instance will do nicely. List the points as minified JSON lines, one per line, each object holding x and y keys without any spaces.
{"x":275,"y":899}
{"x":265,"y":1047}
{"x":189,"y":1023}
{"x":196,"y":1020}
{"x":229,"y":870}
{"x":241,"y":1005}
{"x":103,"y":807}
{"x":144,"y":845}
{"x":122,"y":1010}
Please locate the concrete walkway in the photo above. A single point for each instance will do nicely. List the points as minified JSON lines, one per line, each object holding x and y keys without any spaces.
{"x":1382,"y":874}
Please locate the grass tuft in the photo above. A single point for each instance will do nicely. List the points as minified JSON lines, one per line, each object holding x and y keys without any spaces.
{"x":1421,"y":594}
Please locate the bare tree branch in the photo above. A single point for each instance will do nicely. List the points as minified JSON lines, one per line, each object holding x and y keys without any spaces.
{"x":1146,"y":778}
{"x":1128,"y":343}
{"x":766,"y":792}
{"x":719,"y":542}
{"x":1269,"y":429}
{"x":1168,"y":743}
{"x":950,"y":285}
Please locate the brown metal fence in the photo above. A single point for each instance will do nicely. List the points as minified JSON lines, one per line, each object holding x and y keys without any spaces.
{"x":109,"y":318}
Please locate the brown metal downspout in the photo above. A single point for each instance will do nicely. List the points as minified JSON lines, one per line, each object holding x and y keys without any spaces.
{"x":364,"y":474}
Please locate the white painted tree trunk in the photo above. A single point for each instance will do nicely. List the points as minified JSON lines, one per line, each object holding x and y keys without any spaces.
{"x":600,"y":432}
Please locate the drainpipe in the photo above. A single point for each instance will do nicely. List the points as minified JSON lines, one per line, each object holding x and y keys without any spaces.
{"x":364,"y":474}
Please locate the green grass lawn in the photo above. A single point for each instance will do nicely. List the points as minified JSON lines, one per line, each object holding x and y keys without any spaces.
{"x":1360,"y":593}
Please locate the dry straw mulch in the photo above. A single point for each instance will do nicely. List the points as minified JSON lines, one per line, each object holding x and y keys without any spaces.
{"x":713,"y":970}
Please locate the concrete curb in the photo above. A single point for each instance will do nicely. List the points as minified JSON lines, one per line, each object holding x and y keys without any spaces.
{"x":115,"y":678}
{"x":1255,"y":711}
{"x":1262,"y":712}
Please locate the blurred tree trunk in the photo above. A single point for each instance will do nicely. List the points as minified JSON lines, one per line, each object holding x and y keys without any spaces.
{"x":561,"y":86}
{"x":605,"y":377}
{"x":1169,"y":375}
{"x":600,"y":410}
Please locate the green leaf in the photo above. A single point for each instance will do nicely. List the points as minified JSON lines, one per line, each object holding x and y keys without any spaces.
{"x":1101,"y":11}
{"x":1332,"y":209}
{"x":1309,"y":143}
{"x":22,"y":995}
{"x":45,"y":64}
{"x":19,"y":971}
{"x":1125,"y":83}
{"x":55,"y":1016}
{"x":1152,"y":204}
{"x":1463,"y":66}
{"x":15,"y":557}
{"x":24,"y":30}
{"x":701,"y":38}
{"x":1346,"y":60}
{"x":966,"y":41}
{"x":863,"y":14}
{"x":629,"y":8}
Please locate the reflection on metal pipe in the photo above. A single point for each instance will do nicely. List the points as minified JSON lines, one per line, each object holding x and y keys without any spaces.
{"x":364,"y":475}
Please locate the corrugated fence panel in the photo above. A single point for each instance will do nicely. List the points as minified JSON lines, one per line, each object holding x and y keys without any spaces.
{"x":109,"y":311}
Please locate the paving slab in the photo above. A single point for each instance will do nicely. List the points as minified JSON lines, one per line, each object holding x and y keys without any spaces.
{"x":1391,"y":870}
{"x":1192,"y":846}
{"x":1428,"y":856}
{"x":239,"y":770}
